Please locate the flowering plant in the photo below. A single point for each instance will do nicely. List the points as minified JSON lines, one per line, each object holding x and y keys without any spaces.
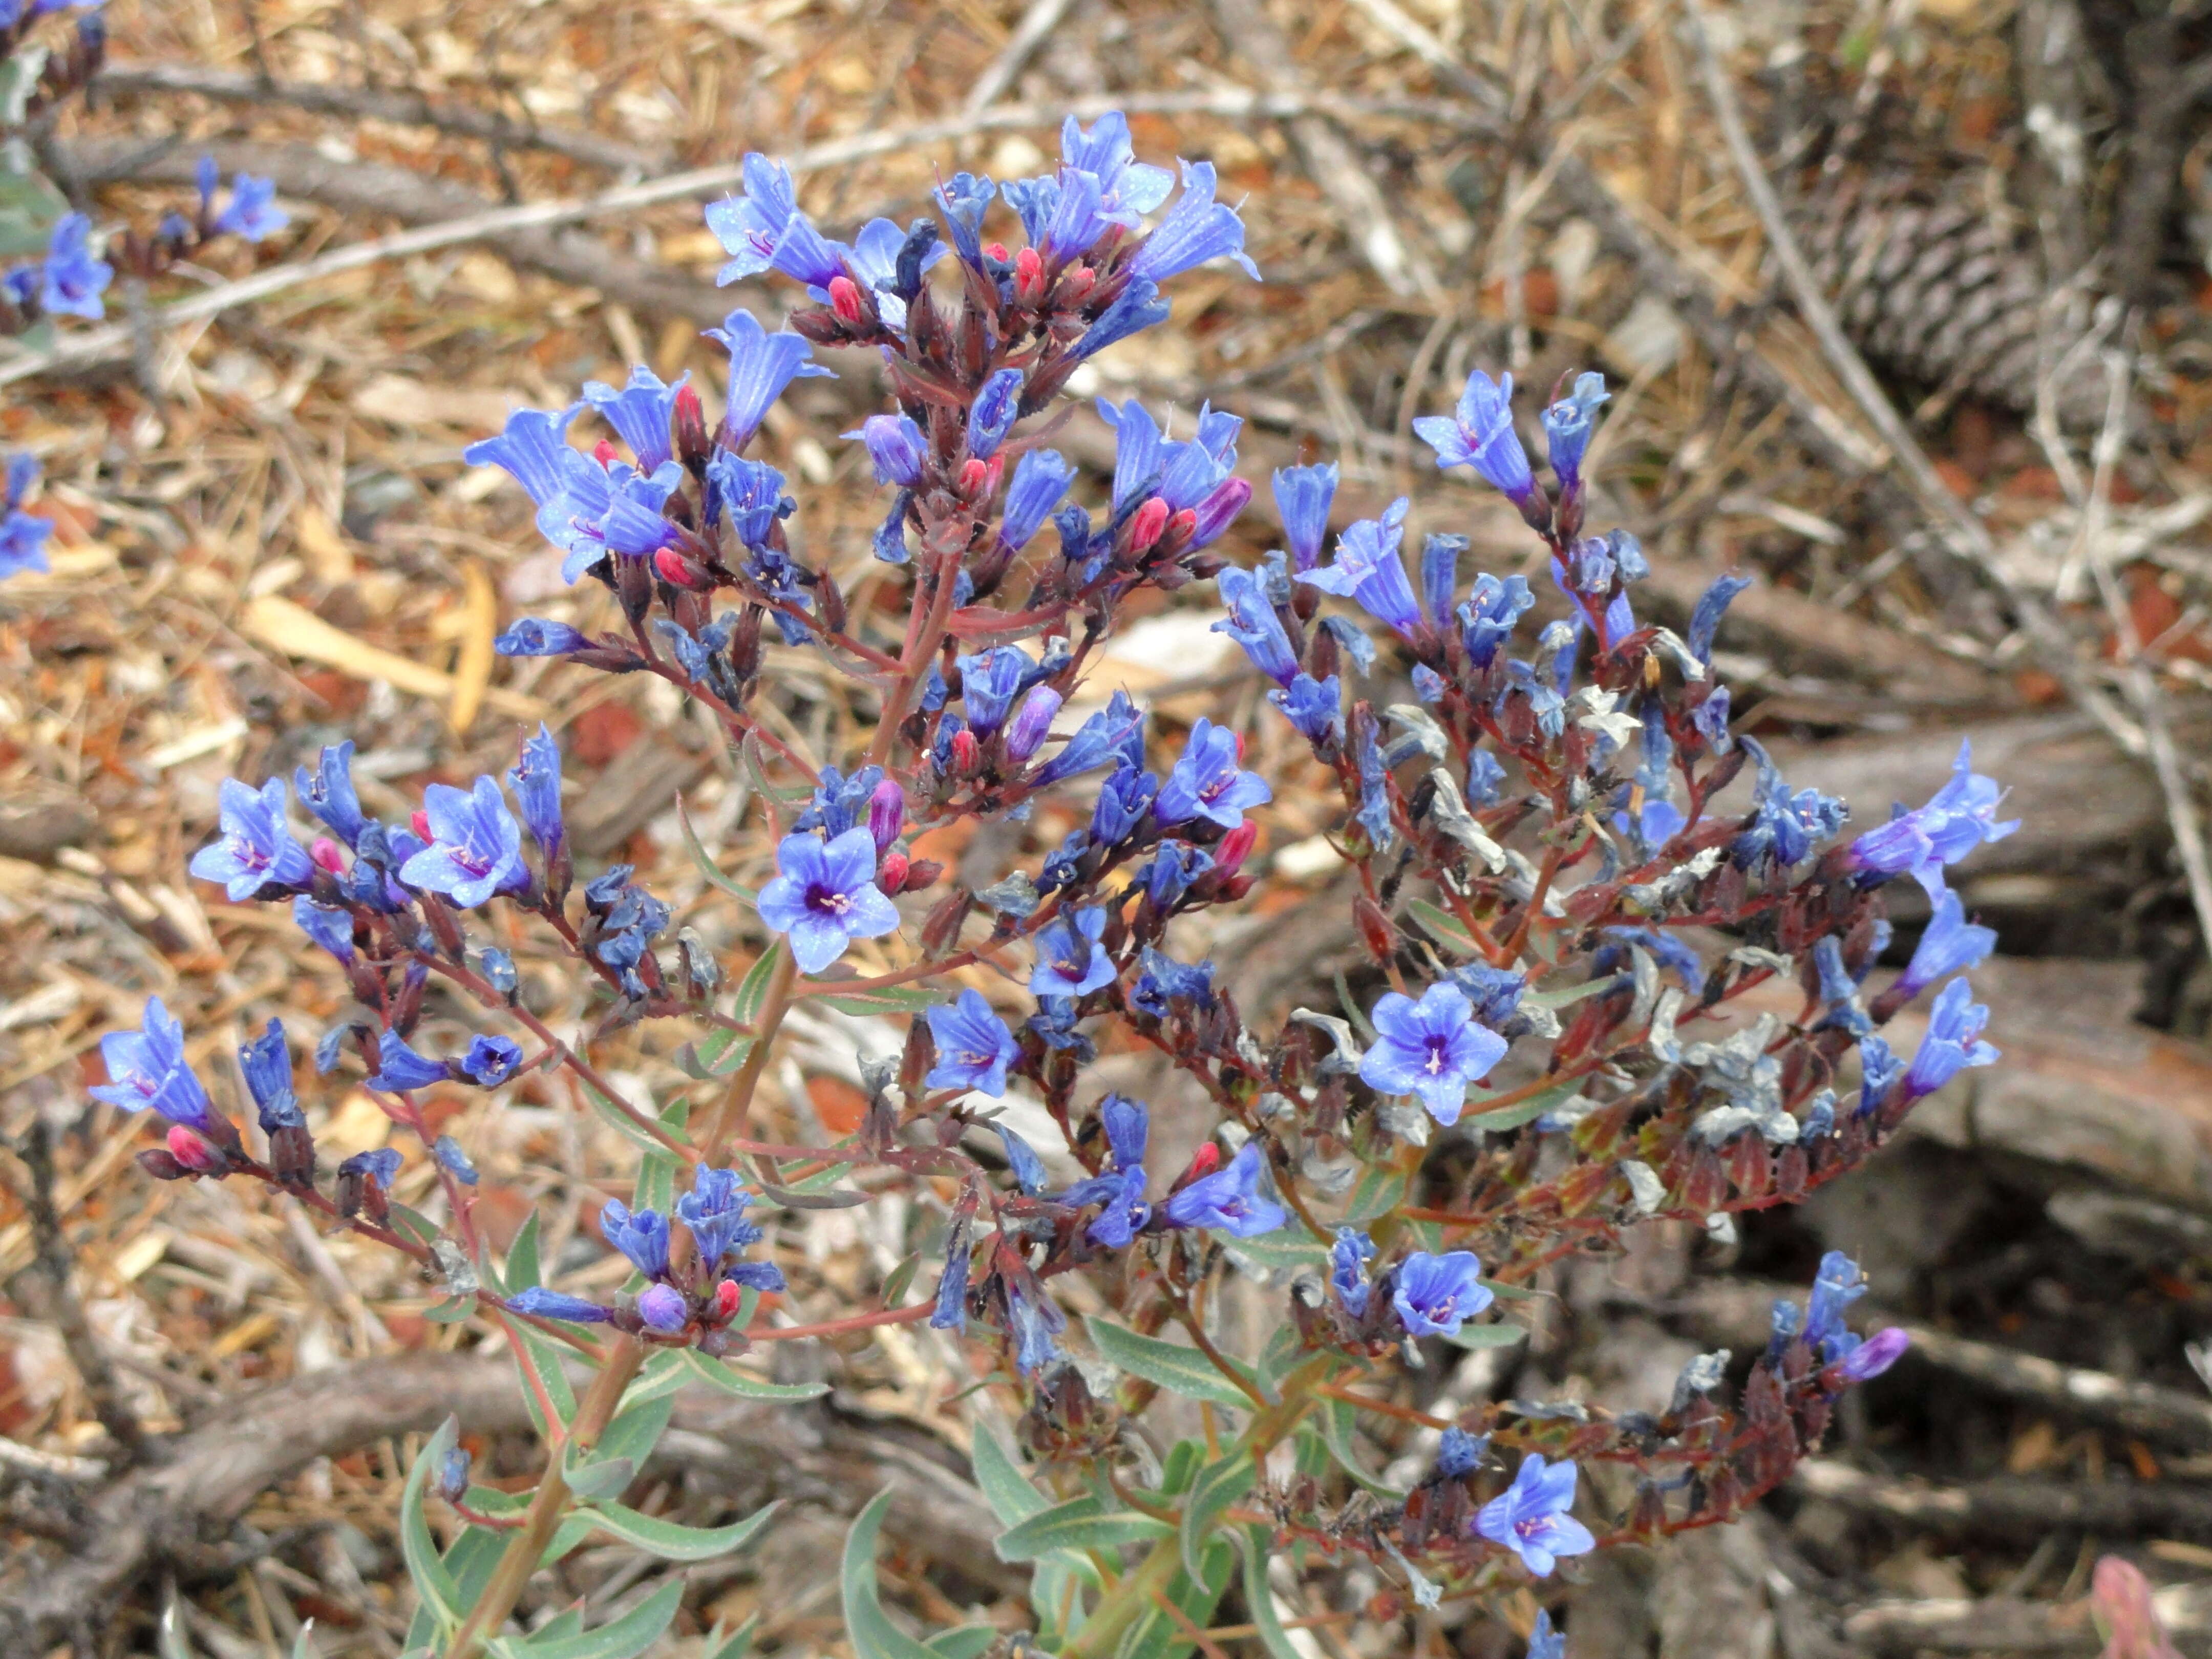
{"x":1559,"y":928}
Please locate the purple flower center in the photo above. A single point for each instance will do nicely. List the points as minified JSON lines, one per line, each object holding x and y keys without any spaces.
{"x":826,"y":900}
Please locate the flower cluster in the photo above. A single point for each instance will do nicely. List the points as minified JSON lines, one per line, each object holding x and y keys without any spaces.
{"x":1541,"y":862}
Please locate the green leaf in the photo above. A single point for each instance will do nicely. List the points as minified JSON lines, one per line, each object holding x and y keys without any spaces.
{"x":537,"y":1356}
{"x":1155,"y":1635}
{"x":1336,"y":1420}
{"x":414,"y":1224}
{"x":663,"y":1373}
{"x":523,"y":1272}
{"x":749,"y":1387}
{"x":619,"y":1121}
{"x":969,"y":1642}
{"x":433,"y":1581}
{"x":1260,"y":1601}
{"x":1000,"y":1479}
{"x":1182,"y":1462}
{"x":620,"y":1639}
{"x":1218,"y":1484}
{"x":451,"y":1311}
{"x":752,"y":989}
{"x":656,"y":1170}
{"x":1281,"y":1254}
{"x":1081,"y":1523}
{"x":704,"y":863}
{"x":1522,"y":1111}
{"x":716,"y":1054}
{"x":602,"y":1477}
{"x":1179,"y":1370}
{"x":303,"y":1645}
{"x":1505,"y":1292}
{"x":1284,"y":1350}
{"x":1442,"y":926}
{"x":1567,"y":996}
{"x":1056,"y":1596}
{"x":867,"y":1625}
{"x":901,"y":1280}
{"x":736,"y":1645}
{"x":673,"y":1542}
{"x":636,"y":1429}
{"x":1502,"y":1333}
{"x":887,"y":999}
{"x":1381,"y":1190}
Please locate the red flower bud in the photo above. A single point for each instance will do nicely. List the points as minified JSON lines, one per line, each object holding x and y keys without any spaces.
{"x":194,"y":1154}
{"x":692,"y":443}
{"x":973,"y":475}
{"x":679,"y":571}
{"x":1145,"y":529}
{"x":845,"y":300}
{"x":326,"y":856}
{"x":997,"y":250}
{"x":604,"y":452}
{"x":1203,"y":1162}
{"x":728,"y":1295}
{"x":891,"y":874}
{"x":1237,"y":844}
{"x":1075,"y":287}
{"x":967,"y":753}
{"x":1375,"y":929}
{"x":420,"y":825}
{"x":1029,"y":277}
{"x":1181,"y":525}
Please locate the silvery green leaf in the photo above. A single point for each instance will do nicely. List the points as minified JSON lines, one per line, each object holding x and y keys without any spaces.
{"x":1346,"y":1059}
{"x":1671,"y":644}
{"x":1179,"y":1370}
{"x":1450,"y":812}
{"x":671,"y":1542}
{"x":620,"y":1639}
{"x":1423,"y":729}
{"x":1016,"y":896}
{"x":460,"y":1277}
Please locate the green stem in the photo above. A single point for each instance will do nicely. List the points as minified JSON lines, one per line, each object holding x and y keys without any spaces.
{"x":737,"y":1102}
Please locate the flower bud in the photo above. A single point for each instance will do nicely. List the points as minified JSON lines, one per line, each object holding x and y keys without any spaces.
{"x":420,"y":823}
{"x":1029,"y":277}
{"x":1075,"y":286}
{"x":194,"y":1154}
{"x":973,"y":473}
{"x":326,"y":856}
{"x":1032,"y":722}
{"x":845,"y":300}
{"x":1873,"y":1355}
{"x":292,"y":1155}
{"x":163,"y":1167}
{"x":886,"y":813}
{"x":693,"y":443}
{"x":921,"y":875}
{"x":454,"y":1475}
{"x":967,"y":753}
{"x":605,"y":453}
{"x":890,"y":874}
{"x":1150,"y":520}
{"x":728,"y":1295}
{"x":1235,"y":846}
{"x":1214,"y":515}
{"x":679,"y":569}
{"x":941,"y":927}
{"x":662,"y":1307}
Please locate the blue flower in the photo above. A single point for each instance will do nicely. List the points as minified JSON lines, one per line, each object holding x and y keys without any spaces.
{"x":1193,"y":470}
{"x":763,"y":229}
{"x":750,"y":492}
{"x":661,"y":1308}
{"x":1348,"y":1270}
{"x":950,"y":1313}
{"x":331,"y":928}
{"x":22,"y":535}
{"x":1302,"y":495}
{"x":1567,"y":425}
{"x":1712,"y":605}
{"x":989,"y":683}
{"x":1494,"y":993}
{"x":1433,"y":1048}
{"x":824,"y":896}
{"x":1669,"y":951}
{"x":1173,"y":867}
{"x":1485,"y":778}
{"x":1229,"y":1199}
{"x":1951,"y":945}
{"x":455,"y":1162}
{"x":1871,"y":1358}
{"x":74,"y":279}
{"x":1710,"y":718}
{"x":1459,"y":1454}
{"x":1118,"y":729}
{"x":1021,"y":1157}
{"x":640,"y":412}
{"x":1479,"y":433}
{"x":1369,"y":571}
{"x":1957,"y":817}
{"x":1125,"y":1213}
{"x":1035,"y":1320}
{"x":1954,"y":1043}
{"x":897,"y":448}
{"x":399,"y":1067}
{"x":966,"y":197}
{"x":641,"y":1235}
{"x":890,"y":262}
{"x":252,"y":212}
{"x":538,"y":1302}
{"x":529,"y":451}
{"x":328,"y":792}
{"x":1069,"y":961}
{"x":715,"y":1213}
{"x":1315,"y":707}
{"x":1530,"y":1517}
{"x":267,"y":1066}
{"x":1207,"y":783}
{"x":257,"y":850}
{"x":146,"y":1068}
{"x":1125,"y":800}
{"x":1126,"y":186}
{"x":1486,"y":621}
{"x":475,"y":850}
{"x":840,"y":803}
{"x":1434,"y":1294}
{"x":496,"y":967}
{"x":1041,"y":478}
{"x":1879,"y":1070}
{"x":490,"y":1061}
{"x":761,"y":365}
{"x":1837,"y":1284}
{"x":1545,"y":1641}
{"x":537,"y":782}
{"x":1440,"y":556}
{"x":1032,"y":722}
{"x":1253,"y":624}
{"x":974,"y":1047}
{"x":1784,"y":826}
{"x":997,"y":405}
{"x":1137,"y":307}
{"x":1374,"y":813}
{"x":1163,"y":981}
{"x":376,"y":1169}
{"x":1196,"y":228}
{"x":1127,"y":1124}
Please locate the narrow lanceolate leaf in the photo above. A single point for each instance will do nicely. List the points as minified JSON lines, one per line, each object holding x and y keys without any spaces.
{"x":867,"y":1626}
{"x":1502,"y":1335}
{"x":538,"y":1359}
{"x":1521,"y":1111}
{"x":1336,"y":1418}
{"x":622,"y":1638}
{"x":703,"y":861}
{"x":1179,"y":1370}
{"x":674,"y":1542}
{"x":1380,"y":1191}
{"x":433,"y":1581}
{"x":1003,"y":1486}
{"x":523,"y":1272}
{"x":730,"y":1381}
{"x":969,"y":1642}
{"x":1260,"y":1601}
{"x":752,"y":989}
{"x":1081,"y":1524}
{"x":1217,"y":1485}
{"x":1442,"y":926}
{"x":736,"y":1644}
{"x":603,"y":1477}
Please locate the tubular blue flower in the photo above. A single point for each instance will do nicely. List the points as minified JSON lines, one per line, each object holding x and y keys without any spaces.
{"x":1173,"y":866}
{"x":1022,"y":1159}
{"x":1837,"y":1284}
{"x":989,"y":683}
{"x":1710,"y":718}
{"x":1126,"y":186}
{"x":256,"y":851}
{"x":1669,"y":951}
{"x":1206,"y":782}
{"x":965,"y":198}
{"x":1879,"y":1070}
{"x":1486,"y":621}
{"x":1138,"y":450}
{"x":252,"y":211}
{"x":399,"y":1067}
{"x":762,"y":1276}
{"x":1229,"y":1200}
{"x":328,"y":792}
{"x":1137,"y":307}
{"x":22,"y":535}
{"x":1193,"y":469}
{"x":1302,"y":495}
{"x":1951,"y":944}
{"x":661,"y":1308}
{"x":537,"y":782}
{"x":490,"y":1061}
{"x":950,"y":1313}
{"x":896,"y":448}
{"x":640,"y":412}
{"x":1115,"y":730}
{"x":1126,"y":1212}
{"x":1957,"y":817}
{"x":1784,"y":826}
{"x":1195,"y":229}
{"x":1440,"y":556}
{"x":763,"y":230}
{"x":1253,"y":624}
{"x":633,"y":523}
{"x":1041,"y":478}
{"x":1459,"y":1454}
{"x":455,"y":1162}
{"x":1433,"y":1048}
{"x":1369,"y":571}
{"x":750,"y":492}
{"x":1530,"y":1517}
{"x":1871,"y":1358}
{"x":267,"y":1066}
{"x":825,"y":896}
{"x":713,"y":1211}
{"x":73,"y":279}
{"x":974,"y":1047}
{"x":1348,"y":1270}
{"x":1161,"y":981}
{"x":1954,"y":1043}
{"x":1127,"y":1124}
{"x":1435,"y":1295}
{"x":761,"y":365}
{"x":993,"y":414}
{"x":1035,"y":1320}
{"x":889,"y":262}
{"x":146,"y":1068}
{"x":1567,"y":425}
{"x":1032,"y":722}
{"x":206,"y":175}
{"x":1544,"y":1641}
{"x":1069,"y":961}
{"x":529,"y":451}
{"x":475,"y":850}
{"x":1374,"y":814}
{"x":538,"y":1302}
{"x":641,"y":1235}
{"x":1712,"y":605}
{"x":1479,"y":433}
{"x":377,"y":1169}
{"x":1315,"y":707}
{"x":331,"y":928}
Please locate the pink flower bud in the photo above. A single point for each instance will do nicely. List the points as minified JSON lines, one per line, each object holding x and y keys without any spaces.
{"x":194,"y":1154}
{"x":325,"y":854}
{"x":886,"y":813}
{"x":974,"y":474}
{"x":967,"y":753}
{"x":420,"y":823}
{"x":605,"y":453}
{"x":728,"y":1295}
{"x":845,"y":300}
{"x":1235,"y":846}
{"x":1152,"y":519}
{"x":679,"y":571}
{"x":1029,"y":277}
{"x":891,"y":874}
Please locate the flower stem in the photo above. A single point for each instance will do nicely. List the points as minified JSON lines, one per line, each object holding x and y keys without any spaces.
{"x":736,"y":1105}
